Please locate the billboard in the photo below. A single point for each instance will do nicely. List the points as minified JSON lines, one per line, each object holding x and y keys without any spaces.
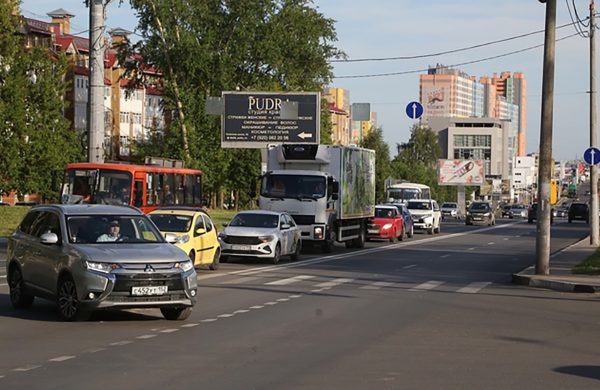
{"x":357,"y":182}
{"x":461,"y":172}
{"x":257,"y":119}
{"x":435,"y":100}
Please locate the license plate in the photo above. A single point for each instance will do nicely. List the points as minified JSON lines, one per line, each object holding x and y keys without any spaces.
{"x":149,"y":290}
{"x":240,"y":247}
{"x":476,"y":219}
{"x":373,"y":231}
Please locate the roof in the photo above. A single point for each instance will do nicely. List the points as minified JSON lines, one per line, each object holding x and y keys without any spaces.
{"x":119,"y":32}
{"x":179,"y":210}
{"x":60,"y":12}
{"x":336,"y":110}
{"x":91,"y":209}
{"x":262,"y":212}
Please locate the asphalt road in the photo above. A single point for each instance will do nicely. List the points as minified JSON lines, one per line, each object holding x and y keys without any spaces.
{"x":433,"y":312}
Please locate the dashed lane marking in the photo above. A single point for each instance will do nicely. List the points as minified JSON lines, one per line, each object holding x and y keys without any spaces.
{"x":171,"y":330}
{"x":334,"y":282}
{"x":377,"y":285}
{"x":94,"y":350}
{"x":287,"y":281}
{"x":225,"y":315}
{"x":471,"y":249}
{"x":190,"y":325}
{"x":146,"y":336}
{"x":61,"y":358}
{"x":473,"y":288}
{"x":491,"y":243}
{"x":209,"y":320}
{"x":26,"y":368}
{"x":271,"y":303}
{"x":241,"y":311}
{"x":409,"y":266}
{"x":427,"y":285}
{"x":294,"y":296}
{"x":119,"y":343}
{"x":256,"y":307}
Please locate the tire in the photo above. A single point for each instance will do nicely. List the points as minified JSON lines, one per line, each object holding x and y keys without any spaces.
{"x":176,"y":313}
{"x":439,"y":228}
{"x":327,"y":246}
{"x":216,"y":260}
{"x":570,"y":220}
{"x":69,"y":306}
{"x":394,"y":237}
{"x":296,"y":255}
{"x":430,"y":230}
{"x":403,"y":234}
{"x":411,"y":231}
{"x":276,"y":254}
{"x":19,"y":298}
{"x":360,"y":241}
{"x":192,"y":256}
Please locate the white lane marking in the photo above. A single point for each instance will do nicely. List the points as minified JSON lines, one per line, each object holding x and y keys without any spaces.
{"x":363,"y":252}
{"x":287,"y":281}
{"x":26,"y":368}
{"x":96,"y":350}
{"x":505,"y":238}
{"x":225,"y":315}
{"x":471,"y":249}
{"x":119,"y":343}
{"x":427,"y":285}
{"x":474,"y":287}
{"x":61,"y":358}
{"x":318,"y":290}
{"x":295,"y":296}
{"x":283,"y":299}
{"x":146,"y":336}
{"x":169,"y":330}
{"x":190,"y":325}
{"x":241,"y":280}
{"x":491,"y":243}
{"x":271,"y":303}
{"x":444,"y":256}
{"x":241,"y":311}
{"x":377,"y":285}
{"x":1,"y":376}
{"x":517,"y":235}
{"x":409,"y":266}
{"x":256,"y":307}
{"x":334,"y":282}
{"x":209,"y":276}
{"x":209,"y":320}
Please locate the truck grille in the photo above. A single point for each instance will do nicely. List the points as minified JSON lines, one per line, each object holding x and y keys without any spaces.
{"x":304,"y":219}
{"x":242,"y":240}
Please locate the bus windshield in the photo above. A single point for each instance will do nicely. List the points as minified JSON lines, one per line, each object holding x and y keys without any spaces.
{"x":293,"y":186}
{"x":97,"y":186}
{"x":403,"y":192}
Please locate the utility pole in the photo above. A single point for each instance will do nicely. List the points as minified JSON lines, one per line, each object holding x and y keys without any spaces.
{"x":594,"y":226}
{"x":542,"y":265}
{"x":95,"y":127}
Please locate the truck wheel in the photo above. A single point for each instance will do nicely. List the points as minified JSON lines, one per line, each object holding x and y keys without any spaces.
{"x":327,"y":246}
{"x":360,"y":241}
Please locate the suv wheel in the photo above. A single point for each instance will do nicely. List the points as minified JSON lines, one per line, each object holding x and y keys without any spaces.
{"x":69,"y":307}
{"x":176,"y":313}
{"x":19,"y":297}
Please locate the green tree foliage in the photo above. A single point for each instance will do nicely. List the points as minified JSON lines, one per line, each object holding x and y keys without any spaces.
{"x":374,"y":140}
{"x":205,"y":48}
{"x":417,"y":161}
{"x":36,"y":137}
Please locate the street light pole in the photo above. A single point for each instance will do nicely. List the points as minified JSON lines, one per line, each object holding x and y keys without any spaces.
{"x":542,"y":266}
{"x":95,"y":125}
{"x":594,"y":226}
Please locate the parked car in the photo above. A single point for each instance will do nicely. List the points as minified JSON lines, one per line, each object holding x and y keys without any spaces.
{"x":563,"y":211}
{"x":387,"y":224}
{"x":88,"y":257}
{"x":450,"y":209}
{"x":532,"y":213}
{"x":426,"y":215}
{"x":517,"y":211}
{"x":406,"y":218}
{"x":480,"y":212}
{"x":579,"y":211}
{"x":262,"y":234}
{"x":505,"y":210}
{"x":196,"y":233}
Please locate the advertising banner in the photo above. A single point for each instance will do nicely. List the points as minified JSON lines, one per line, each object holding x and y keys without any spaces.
{"x":435,"y":101}
{"x":461,"y":172}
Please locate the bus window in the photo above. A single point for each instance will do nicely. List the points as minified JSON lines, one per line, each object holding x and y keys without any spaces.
{"x":138,"y":193}
{"x":150,"y":192}
{"x":197,"y":189}
{"x":168,"y":180}
{"x":179,"y":189}
{"x":112,"y":185}
{"x":189,"y":189}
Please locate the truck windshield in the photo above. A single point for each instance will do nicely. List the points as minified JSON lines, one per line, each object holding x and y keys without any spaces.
{"x":293,"y":186}
{"x":97,"y":186}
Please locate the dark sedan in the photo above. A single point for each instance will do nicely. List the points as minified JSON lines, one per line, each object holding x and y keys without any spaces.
{"x":480,"y":212}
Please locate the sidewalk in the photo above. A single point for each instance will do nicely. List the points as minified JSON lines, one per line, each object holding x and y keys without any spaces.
{"x":561,"y":278}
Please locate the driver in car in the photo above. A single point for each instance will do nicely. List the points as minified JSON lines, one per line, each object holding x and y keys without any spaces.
{"x":113,"y":233}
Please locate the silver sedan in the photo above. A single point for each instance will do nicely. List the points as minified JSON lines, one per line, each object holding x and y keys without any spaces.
{"x":263,"y":234}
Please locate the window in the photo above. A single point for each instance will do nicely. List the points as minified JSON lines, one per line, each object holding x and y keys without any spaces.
{"x":27,"y":222}
{"x":209,"y":225}
{"x":199,"y":225}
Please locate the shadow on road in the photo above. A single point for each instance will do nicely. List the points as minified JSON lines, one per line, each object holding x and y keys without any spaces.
{"x":592,"y":372}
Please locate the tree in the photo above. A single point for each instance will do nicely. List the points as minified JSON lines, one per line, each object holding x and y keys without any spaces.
{"x":374,"y":140}
{"x":37,"y":139}
{"x":205,"y":48}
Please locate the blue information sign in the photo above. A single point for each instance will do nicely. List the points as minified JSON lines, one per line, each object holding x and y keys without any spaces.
{"x":592,"y":156}
{"x":414,"y":110}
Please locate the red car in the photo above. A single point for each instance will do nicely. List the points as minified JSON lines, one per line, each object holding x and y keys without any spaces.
{"x":386,"y":225}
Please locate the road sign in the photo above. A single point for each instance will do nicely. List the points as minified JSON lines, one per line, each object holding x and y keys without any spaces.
{"x":414,"y":110}
{"x":258,"y":119}
{"x":592,"y":156}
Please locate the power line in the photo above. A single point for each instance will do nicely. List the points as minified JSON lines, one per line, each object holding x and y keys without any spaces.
{"x":577,"y":21}
{"x":450,"y":51}
{"x":449,"y":66}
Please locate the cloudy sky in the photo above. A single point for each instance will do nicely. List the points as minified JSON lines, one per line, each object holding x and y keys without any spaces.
{"x":394,"y":28}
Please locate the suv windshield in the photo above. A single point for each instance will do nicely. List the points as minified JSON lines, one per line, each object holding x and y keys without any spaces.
{"x":255,"y":220}
{"x":480,"y":207}
{"x":413,"y":205}
{"x":87,"y":229}
{"x":449,"y":205}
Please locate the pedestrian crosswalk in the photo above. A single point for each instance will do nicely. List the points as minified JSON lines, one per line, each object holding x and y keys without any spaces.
{"x":319,"y":282}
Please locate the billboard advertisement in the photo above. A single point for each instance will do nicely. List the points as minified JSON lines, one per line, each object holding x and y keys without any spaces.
{"x":357,"y":183}
{"x":461,"y":172}
{"x":255,"y":119}
{"x":435,"y":100}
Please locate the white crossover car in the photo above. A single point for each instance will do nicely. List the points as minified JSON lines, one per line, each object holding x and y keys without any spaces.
{"x":426,"y":215}
{"x":263,"y":234}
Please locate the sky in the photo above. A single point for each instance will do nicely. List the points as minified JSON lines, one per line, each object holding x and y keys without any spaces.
{"x":394,"y":28}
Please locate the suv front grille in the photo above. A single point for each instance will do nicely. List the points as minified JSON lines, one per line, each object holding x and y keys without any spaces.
{"x":242,"y":240}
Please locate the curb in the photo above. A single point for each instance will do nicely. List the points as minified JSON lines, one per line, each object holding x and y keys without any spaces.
{"x":553,"y":284}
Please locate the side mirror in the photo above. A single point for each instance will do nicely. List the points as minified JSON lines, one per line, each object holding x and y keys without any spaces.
{"x":170,"y":238}
{"x":285,"y":226}
{"x":200,"y":231}
{"x":335,"y":187}
{"x":225,"y":224}
{"x":49,"y":239}
{"x":334,"y":196}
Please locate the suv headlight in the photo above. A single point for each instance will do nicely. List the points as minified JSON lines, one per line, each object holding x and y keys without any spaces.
{"x":101,"y":267}
{"x":184,"y":265}
{"x":265,"y":239}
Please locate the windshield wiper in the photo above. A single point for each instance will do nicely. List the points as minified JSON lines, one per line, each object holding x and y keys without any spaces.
{"x":302,"y":197}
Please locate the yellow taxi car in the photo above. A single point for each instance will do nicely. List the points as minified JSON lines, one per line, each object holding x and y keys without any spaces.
{"x":195,"y":231}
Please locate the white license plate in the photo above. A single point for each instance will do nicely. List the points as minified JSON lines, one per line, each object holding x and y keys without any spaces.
{"x":476,"y":219}
{"x":373,"y":231}
{"x":149,"y":290}
{"x":240,"y":247}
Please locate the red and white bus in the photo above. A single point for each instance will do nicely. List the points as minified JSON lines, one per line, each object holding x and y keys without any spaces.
{"x":143,"y":186}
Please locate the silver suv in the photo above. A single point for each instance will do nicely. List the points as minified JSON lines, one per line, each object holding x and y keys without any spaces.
{"x":88,"y":257}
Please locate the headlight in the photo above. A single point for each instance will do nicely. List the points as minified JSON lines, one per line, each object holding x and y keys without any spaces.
{"x":387,"y":226}
{"x":318,"y":233}
{"x":426,"y":217}
{"x":468,"y":213}
{"x":222,"y":235}
{"x":183,"y":239}
{"x":264,"y":239}
{"x":184,"y":265}
{"x":101,"y":267}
